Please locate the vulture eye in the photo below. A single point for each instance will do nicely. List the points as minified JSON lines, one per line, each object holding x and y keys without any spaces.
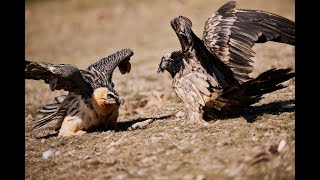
{"x":109,"y":96}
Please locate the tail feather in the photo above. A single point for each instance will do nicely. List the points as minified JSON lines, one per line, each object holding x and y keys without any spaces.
{"x":51,"y":112}
{"x":251,"y":91}
{"x":43,"y":121}
{"x":267,"y":82}
{"x":50,"y":106}
{"x":46,"y":111}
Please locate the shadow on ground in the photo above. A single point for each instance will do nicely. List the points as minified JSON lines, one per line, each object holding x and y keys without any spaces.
{"x":121,"y":126}
{"x":251,"y":113}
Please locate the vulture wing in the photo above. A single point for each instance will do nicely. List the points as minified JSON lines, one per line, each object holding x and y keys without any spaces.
{"x":231,"y":33}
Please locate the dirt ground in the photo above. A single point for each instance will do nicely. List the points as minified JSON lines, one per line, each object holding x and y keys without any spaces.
{"x":80,"y":32}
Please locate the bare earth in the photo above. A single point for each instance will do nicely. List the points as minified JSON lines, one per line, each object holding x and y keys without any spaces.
{"x":242,"y":146}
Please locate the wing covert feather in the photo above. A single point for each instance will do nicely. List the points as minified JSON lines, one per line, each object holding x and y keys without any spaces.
{"x":104,"y":68}
{"x":61,"y":76}
{"x":231,"y":33}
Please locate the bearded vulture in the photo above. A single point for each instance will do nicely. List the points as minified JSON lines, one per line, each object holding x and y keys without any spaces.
{"x":212,"y":74}
{"x":91,"y":101}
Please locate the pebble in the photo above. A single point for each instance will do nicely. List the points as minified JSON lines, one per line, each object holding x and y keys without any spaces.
{"x":180,"y":114}
{"x":47,"y":154}
{"x":200,"y":177}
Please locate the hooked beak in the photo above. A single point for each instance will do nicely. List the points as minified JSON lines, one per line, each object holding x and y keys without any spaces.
{"x":118,"y":101}
{"x":159,"y":69}
{"x":111,"y":97}
{"x":160,"y":66}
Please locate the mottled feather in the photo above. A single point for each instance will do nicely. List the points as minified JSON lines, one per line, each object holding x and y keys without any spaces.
{"x":231,"y":33}
{"x":211,"y":74}
{"x":62,"y":76}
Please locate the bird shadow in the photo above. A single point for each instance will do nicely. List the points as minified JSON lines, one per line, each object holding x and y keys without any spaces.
{"x":129,"y":124}
{"x":251,"y":113}
{"x":120,"y":126}
{"x":123,"y":126}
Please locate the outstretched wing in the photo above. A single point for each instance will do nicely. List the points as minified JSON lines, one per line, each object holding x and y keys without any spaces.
{"x":61,"y":76}
{"x":231,"y":33}
{"x":101,"y":71}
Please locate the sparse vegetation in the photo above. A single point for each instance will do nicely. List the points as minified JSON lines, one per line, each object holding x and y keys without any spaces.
{"x":81,"y":32}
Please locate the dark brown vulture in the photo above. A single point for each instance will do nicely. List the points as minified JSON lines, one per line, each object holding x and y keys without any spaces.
{"x":212,"y":74}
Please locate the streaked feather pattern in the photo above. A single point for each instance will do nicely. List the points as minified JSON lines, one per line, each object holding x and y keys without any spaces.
{"x":212,"y":73}
{"x":82,"y":85}
{"x":230,"y":34}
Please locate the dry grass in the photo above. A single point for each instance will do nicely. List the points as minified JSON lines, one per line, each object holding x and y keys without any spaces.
{"x":81,"y":32}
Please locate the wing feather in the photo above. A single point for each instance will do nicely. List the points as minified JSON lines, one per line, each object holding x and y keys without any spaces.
{"x":61,"y":76}
{"x":231,"y":33}
{"x":102,"y":70}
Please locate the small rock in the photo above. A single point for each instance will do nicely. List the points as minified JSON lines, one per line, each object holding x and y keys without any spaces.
{"x":111,"y":149}
{"x":176,"y":128}
{"x":140,"y":125}
{"x":148,"y":160}
{"x":121,"y":176}
{"x":205,"y":123}
{"x":200,"y":177}
{"x":72,"y":152}
{"x":224,"y":142}
{"x":289,"y":168}
{"x":180,"y":114}
{"x":47,"y":154}
{"x":57,"y":153}
{"x":281,"y":145}
{"x":141,"y":172}
{"x":86,"y":157}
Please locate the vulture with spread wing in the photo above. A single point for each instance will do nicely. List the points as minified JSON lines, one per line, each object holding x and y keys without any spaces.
{"x":91,"y":101}
{"x":211,"y":75}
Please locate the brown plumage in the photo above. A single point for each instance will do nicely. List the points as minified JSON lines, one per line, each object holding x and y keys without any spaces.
{"x":92,"y":100}
{"x":212,"y":74}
